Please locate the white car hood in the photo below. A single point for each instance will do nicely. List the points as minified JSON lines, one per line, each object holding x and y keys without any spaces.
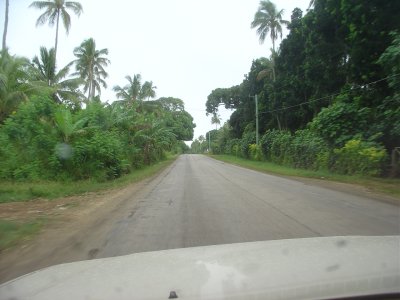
{"x":310,"y":268}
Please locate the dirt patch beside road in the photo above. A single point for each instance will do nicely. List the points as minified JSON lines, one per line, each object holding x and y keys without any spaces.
{"x":70,"y":221}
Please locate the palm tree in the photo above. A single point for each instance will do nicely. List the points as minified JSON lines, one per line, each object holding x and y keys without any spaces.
{"x":269,"y":20}
{"x":131,"y":91}
{"x":45,"y":71}
{"x":14,"y":86}
{"x":267,"y":69}
{"x":54,"y":9}
{"x":65,"y":124}
{"x":5,"y":25}
{"x":216,"y":119}
{"x":90,"y":64}
{"x":147,"y":90}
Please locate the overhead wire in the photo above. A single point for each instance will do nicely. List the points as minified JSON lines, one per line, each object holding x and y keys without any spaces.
{"x":330,"y":96}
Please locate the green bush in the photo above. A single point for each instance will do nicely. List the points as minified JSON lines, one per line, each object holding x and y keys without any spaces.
{"x":359,"y":157}
{"x":247,"y":139}
{"x":255,"y":152}
{"x":233,"y":147}
{"x":98,"y":156}
{"x":341,"y":121}
{"x":266,"y":142}
{"x":307,"y":151}
{"x":280,"y":147}
{"x":27,"y":140}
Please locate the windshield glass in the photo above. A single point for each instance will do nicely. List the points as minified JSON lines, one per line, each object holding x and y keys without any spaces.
{"x":138,"y":126}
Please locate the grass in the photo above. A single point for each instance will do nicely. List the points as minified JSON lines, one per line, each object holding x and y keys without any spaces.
{"x":26,"y":191}
{"x":383,"y":185}
{"x":12,"y":232}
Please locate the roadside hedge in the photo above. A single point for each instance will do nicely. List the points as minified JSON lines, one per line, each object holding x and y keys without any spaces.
{"x":304,"y":149}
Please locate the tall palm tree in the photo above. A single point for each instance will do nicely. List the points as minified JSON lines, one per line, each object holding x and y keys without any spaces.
{"x":90,"y":64}
{"x":45,"y":71}
{"x":54,"y":9}
{"x":269,"y":20}
{"x":5,"y":25}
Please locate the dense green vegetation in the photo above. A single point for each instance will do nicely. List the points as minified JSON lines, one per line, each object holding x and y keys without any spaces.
{"x":54,"y":126}
{"x":46,"y":134}
{"x":389,"y":186}
{"x":328,"y":99}
{"x":22,"y":191}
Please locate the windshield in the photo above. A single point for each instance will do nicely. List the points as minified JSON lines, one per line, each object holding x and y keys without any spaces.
{"x":138,"y":126}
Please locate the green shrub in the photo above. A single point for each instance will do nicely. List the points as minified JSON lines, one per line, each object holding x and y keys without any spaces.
{"x":266,"y":142}
{"x":307,"y":151}
{"x":341,"y":121}
{"x":280,"y":147}
{"x":27,"y":140}
{"x":255,"y":152}
{"x":232,"y":147}
{"x":359,"y":157}
{"x":98,"y":156}
{"x":247,"y":139}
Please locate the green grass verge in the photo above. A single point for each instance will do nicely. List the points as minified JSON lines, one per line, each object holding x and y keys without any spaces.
{"x":25,"y":191}
{"x":13,"y":232}
{"x":382,"y":185}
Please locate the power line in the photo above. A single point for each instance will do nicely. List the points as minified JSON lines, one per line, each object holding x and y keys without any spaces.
{"x":329,"y":96}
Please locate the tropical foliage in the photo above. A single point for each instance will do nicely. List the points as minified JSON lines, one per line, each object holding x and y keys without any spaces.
{"x":47,"y":133}
{"x":45,"y":72}
{"x":90,"y":64}
{"x":334,"y":103}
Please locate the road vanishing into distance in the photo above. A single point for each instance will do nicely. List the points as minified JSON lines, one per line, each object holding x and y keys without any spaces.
{"x":200,"y":201}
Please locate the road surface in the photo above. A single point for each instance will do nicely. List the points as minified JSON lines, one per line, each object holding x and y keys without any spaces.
{"x":200,"y":201}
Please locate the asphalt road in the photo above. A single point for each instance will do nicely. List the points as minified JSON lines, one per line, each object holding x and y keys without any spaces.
{"x":200,"y":201}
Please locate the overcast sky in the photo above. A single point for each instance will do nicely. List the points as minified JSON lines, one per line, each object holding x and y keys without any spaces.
{"x":186,"y":47}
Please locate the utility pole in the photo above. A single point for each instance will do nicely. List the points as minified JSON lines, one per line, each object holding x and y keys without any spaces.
{"x":256,"y":99}
{"x":209,"y":141}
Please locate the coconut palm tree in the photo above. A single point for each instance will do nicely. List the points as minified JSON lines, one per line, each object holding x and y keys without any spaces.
{"x":131,"y":91}
{"x":5,"y":25}
{"x":269,"y":20}
{"x":90,"y":64}
{"x":14,"y":86}
{"x":45,"y":72}
{"x":54,"y":9}
{"x":147,"y":90}
{"x":216,"y":119}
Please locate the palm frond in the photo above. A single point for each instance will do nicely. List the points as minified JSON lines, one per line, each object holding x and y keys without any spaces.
{"x":66,"y":19}
{"x":42,"y":4}
{"x":76,"y":7}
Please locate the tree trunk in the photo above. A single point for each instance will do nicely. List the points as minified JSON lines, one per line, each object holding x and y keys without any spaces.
{"x":5,"y":26}
{"x":273,"y":59}
{"x":55,"y":47}
{"x":91,"y":85}
{"x":274,"y":78}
